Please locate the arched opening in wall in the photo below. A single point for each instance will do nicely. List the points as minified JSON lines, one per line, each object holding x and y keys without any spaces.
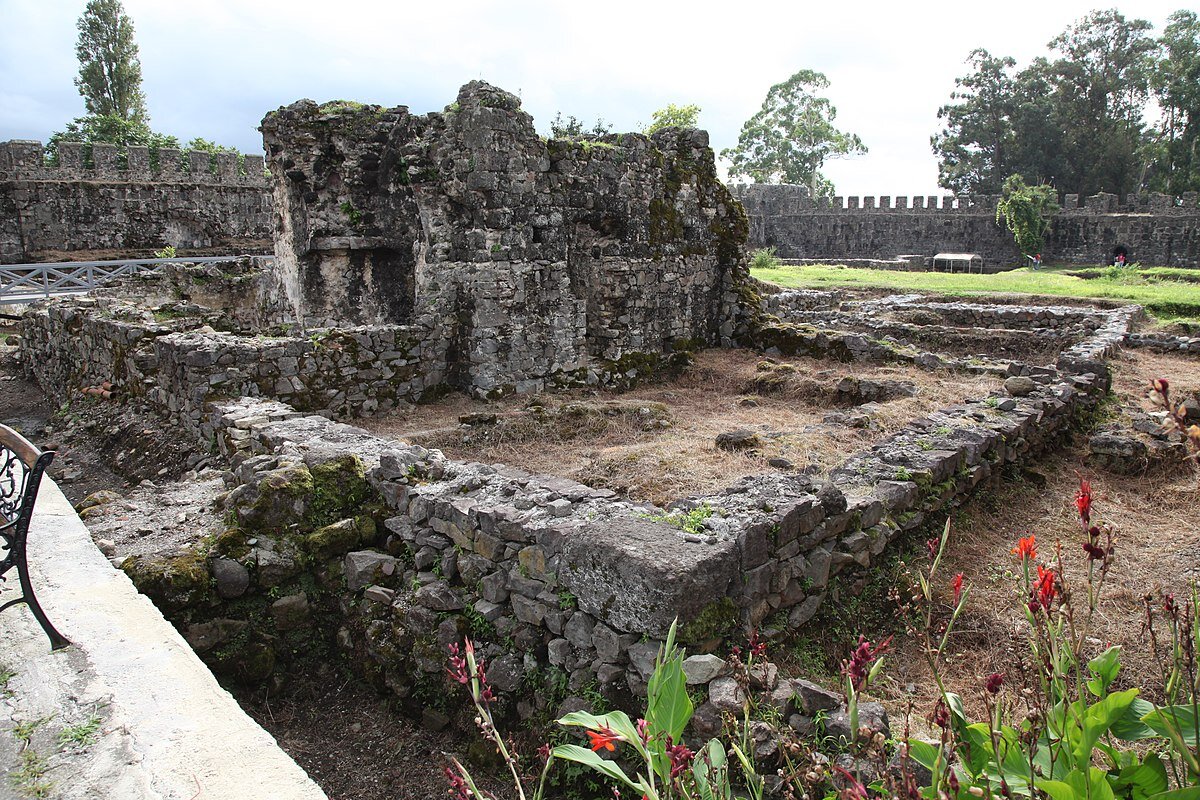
{"x":1120,"y":255}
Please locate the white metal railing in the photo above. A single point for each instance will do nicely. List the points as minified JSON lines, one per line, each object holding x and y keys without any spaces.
{"x":24,"y":283}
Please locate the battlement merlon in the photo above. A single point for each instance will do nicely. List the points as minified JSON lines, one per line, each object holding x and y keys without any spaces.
{"x":785,"y":200}
{"x":26,"y":160}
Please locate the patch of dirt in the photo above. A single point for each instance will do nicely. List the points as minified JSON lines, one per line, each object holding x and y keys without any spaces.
{"x":167,"y":520}
{"x":354,"y":744}
{"x":1157,"y":549}
{"x":799,"y":420}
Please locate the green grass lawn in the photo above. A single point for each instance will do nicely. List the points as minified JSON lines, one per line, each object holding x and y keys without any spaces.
{"x":1154,"y":288}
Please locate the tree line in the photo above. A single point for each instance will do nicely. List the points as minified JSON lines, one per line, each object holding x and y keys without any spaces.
{"x":1110,"y":109}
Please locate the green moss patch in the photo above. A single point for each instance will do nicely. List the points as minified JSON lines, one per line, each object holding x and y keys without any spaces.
{"x":172,"y":583}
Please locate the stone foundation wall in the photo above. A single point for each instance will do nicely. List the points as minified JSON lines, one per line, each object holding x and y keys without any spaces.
{"x":120,"y":203}
{"x":573,"y":578}
{"x":405,"y":551}
{"x":1155,"y":229}
{"x":178,"y":367}
{"x":173,"y":360}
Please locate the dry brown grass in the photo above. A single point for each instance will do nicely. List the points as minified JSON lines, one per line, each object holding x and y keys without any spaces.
{"x":1157,"y":549}
{"x":659,"y":465}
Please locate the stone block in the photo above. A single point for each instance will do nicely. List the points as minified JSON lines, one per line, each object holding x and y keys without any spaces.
{"x":232,"y":578}
{"x":290,"y":612}
{"x":364,"y":567}
{"x":640,"y":576}
{"x":726,"y":695}
{"x":701,"y":669}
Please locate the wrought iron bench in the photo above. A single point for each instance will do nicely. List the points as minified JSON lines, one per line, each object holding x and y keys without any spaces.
{"x":21,"y":468}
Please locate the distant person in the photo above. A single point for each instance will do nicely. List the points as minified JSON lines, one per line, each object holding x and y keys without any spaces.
{"x":1120,"y":259}
{"x":1035,"y":260}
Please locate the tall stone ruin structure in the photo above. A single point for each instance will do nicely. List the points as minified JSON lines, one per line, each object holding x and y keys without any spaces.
{"x":518,"y":262}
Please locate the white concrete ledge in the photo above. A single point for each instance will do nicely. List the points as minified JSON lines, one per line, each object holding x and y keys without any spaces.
{"x":170,"y":731}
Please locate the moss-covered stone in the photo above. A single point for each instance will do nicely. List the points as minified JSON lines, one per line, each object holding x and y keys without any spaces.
{"x":230,"y":543}
{"x":715,"y":622}
{"x":339,"y":488}
{"x":341,"y":537}
{"x":280,"y":499}
{"x":172,"y":583}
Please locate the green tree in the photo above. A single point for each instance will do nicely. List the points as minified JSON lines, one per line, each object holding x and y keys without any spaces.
{"x":792,"y":135}
{"x":1100,"y":89}
{"x":1027,"y":212}
{"x":110,"y":130}
{"x":673,"y":116}
{"x":1175,"y":83}
{"x":976,"y":148}
{"x":110,"y":73}
{"x":1038,"y":135}
{"x":1001,"y":124}
{"x":205,"y":146}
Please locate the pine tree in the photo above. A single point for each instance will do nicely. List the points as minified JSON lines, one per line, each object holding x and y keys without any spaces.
{"x":110,"y":73}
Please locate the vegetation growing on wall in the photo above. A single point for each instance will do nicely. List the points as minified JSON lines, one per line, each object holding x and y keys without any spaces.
{"x":1027,"y":211}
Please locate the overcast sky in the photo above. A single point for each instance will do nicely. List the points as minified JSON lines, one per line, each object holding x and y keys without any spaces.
{"x":212,"y":68}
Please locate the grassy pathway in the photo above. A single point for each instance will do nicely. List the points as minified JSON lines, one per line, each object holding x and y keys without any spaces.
{"x":1162,"y":296}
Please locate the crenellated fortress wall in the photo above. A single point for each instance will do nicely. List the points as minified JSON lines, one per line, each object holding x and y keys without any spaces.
{"x":100,"y":197}
{"x":1156,"y":229}
{"x":122,"y":199}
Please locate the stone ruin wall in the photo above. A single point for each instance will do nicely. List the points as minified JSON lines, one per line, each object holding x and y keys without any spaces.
{"x":628,"y":256}
{"x":46,"y":210}
{"x":1157,"y":229}
{"x":211,"y":204}
{"x":524,"y":259}
{"x":401,"y":550}
{"x":571,"y":575}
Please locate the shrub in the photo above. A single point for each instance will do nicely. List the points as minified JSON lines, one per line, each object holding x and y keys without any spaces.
{"x":765,"y":258}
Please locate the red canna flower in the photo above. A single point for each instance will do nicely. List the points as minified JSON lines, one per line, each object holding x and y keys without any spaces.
{"x":858,"y":668}
{"x":1044,"y":589}
{"x":1095,"y":550}
{"x":603,"y":739}
{"x":458,"y":665}
{"x":994,"y":682}
{"x":1026,"y":548}
{"x":957,"y":584}
{"x":458,"y":787}
{"x":941,"y":714}
{"x":681,"y":758}
{"x":854,"y":789}
{"x":932,"y":545}
{"x":1083,"y":501}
